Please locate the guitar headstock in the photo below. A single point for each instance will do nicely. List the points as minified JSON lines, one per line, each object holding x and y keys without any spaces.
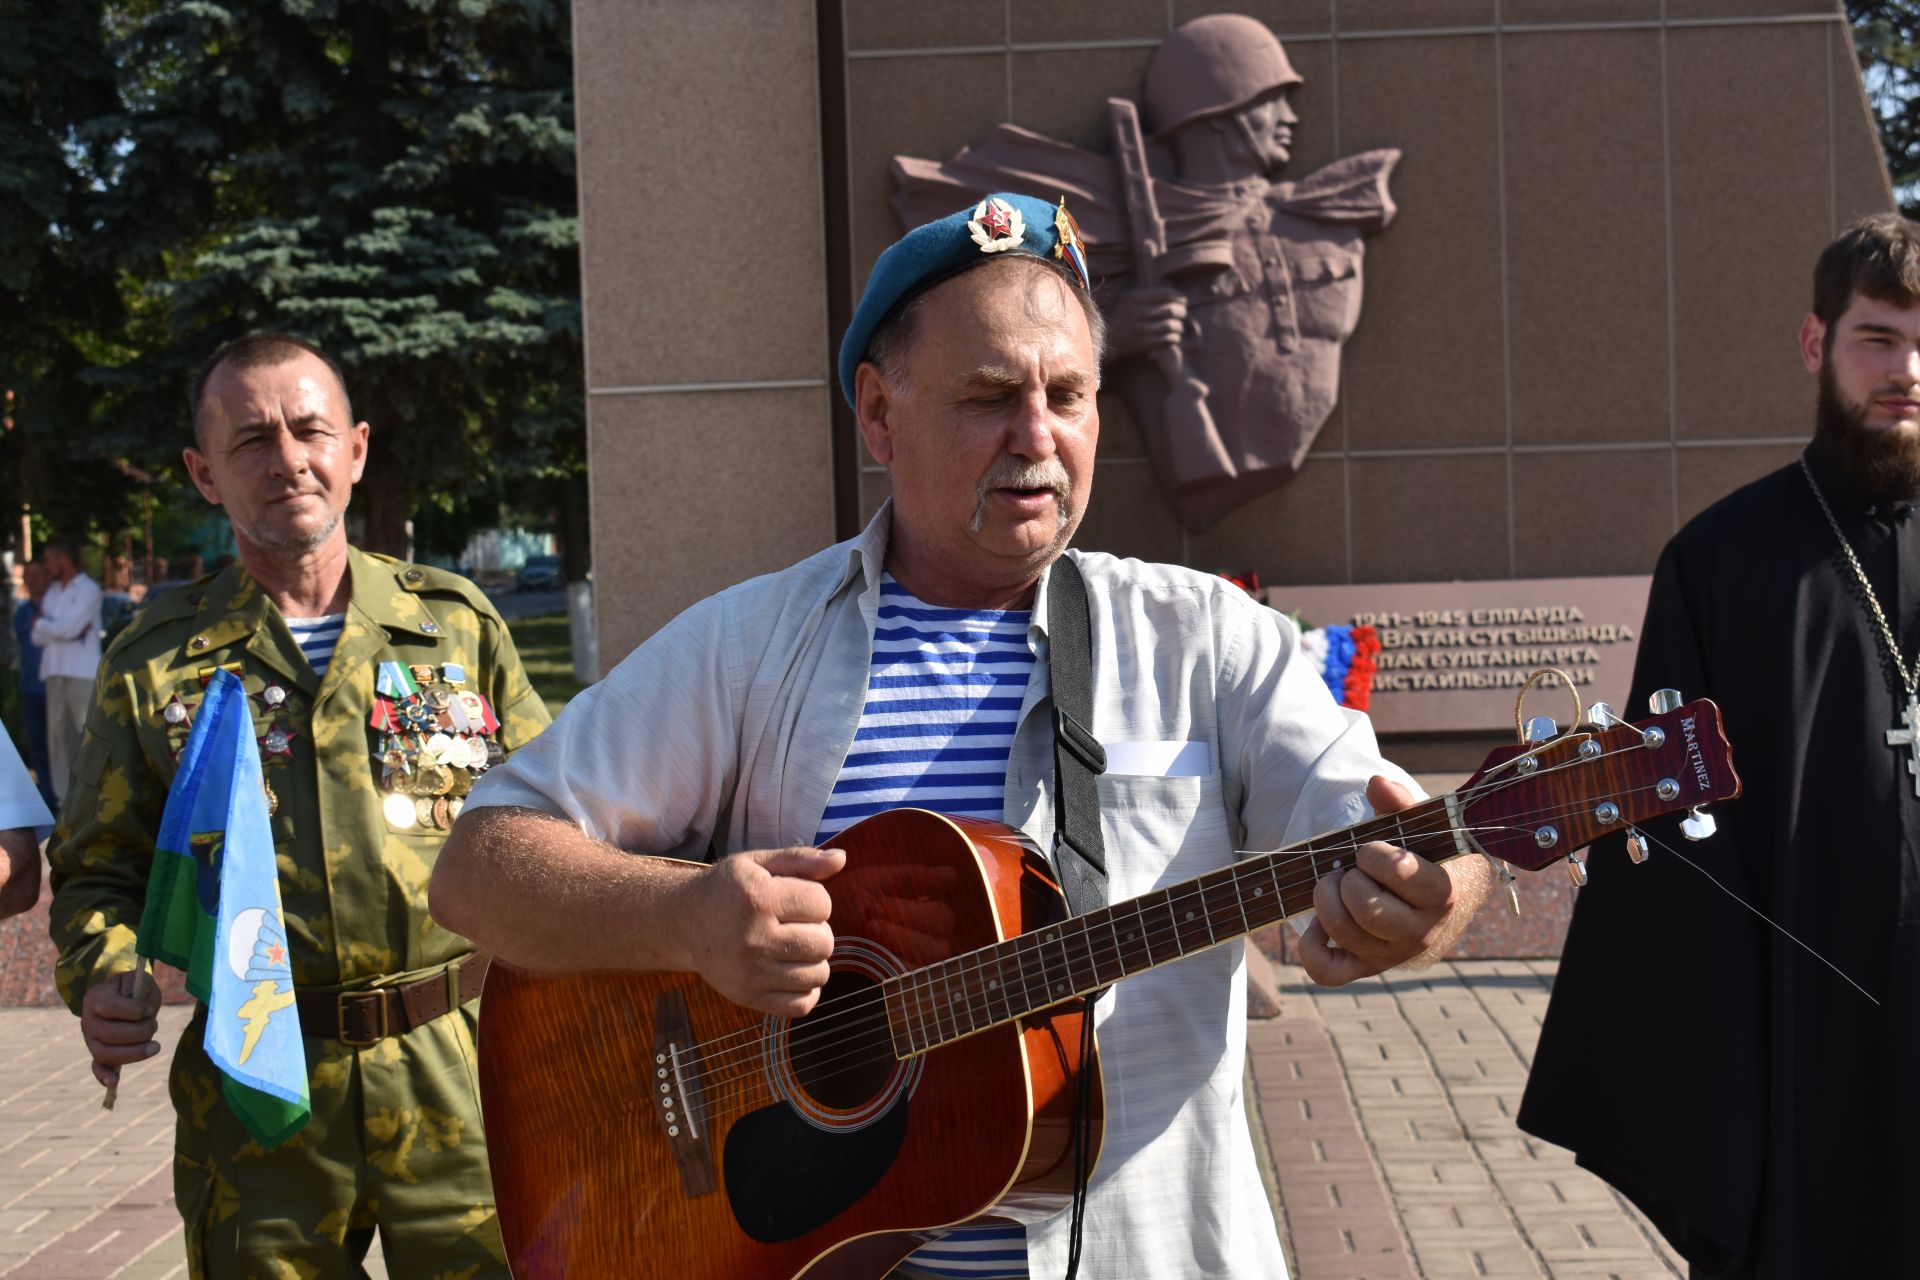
{"x":1533,"y":805}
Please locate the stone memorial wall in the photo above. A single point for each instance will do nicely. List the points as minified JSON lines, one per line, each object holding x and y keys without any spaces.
{"x":1577,"y":331}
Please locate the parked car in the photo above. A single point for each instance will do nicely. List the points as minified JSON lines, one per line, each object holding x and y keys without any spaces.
{"x":116,"y":610}
{"x":541,"y":573}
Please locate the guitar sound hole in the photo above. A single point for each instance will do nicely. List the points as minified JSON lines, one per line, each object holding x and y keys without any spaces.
{"x":842,"y":1052}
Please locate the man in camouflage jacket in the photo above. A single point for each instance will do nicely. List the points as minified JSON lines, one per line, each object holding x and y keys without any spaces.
{"x":368,"y":750}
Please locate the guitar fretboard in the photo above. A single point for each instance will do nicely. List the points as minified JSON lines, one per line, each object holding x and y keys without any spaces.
{"x":968,"y":993}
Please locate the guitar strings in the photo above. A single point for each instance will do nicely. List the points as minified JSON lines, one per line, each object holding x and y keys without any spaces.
{"x":739,"y":1073}
{"x":865,"y":1004}
{"x":1437,"y":824}
{"x":754,"y":1040}
{"x":721,"y":1067}
{"x":851,"y":1048}
{"x":857,"y":1045}
{"x":1758,"y":912}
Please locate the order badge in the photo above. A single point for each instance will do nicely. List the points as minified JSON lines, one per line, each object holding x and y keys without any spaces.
{"x":399,"y":810}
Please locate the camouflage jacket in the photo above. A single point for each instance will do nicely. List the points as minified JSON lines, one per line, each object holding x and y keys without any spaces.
{"x":353,"y":881}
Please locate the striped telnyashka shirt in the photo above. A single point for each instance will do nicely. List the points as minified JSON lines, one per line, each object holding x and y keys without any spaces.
{"x":317,"y":638}
{"x":943,"y":700}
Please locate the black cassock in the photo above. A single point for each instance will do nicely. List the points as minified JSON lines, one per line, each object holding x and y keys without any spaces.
{"x":1762,"y":1111}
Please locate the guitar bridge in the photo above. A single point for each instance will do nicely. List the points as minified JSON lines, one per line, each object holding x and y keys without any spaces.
{"x":676,"y":1089}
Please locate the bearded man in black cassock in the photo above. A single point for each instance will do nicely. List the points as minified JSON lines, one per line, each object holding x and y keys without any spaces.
{"x":1763,"y":1111}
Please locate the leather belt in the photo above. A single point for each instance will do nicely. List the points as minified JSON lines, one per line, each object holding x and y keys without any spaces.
{"x":366,"y":1017}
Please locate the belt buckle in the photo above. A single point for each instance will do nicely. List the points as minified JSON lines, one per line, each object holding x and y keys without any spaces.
{"x":340,"y":1016}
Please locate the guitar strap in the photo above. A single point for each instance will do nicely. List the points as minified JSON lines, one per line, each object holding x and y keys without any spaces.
{"x":1079,"y":852}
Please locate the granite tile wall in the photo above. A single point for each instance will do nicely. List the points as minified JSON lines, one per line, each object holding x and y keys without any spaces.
{"x":1569,"y":306}
{"x":1609,"y":211}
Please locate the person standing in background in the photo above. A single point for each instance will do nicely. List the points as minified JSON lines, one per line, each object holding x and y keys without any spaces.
{"x":68,"y":633}
{"x":33,"y":689}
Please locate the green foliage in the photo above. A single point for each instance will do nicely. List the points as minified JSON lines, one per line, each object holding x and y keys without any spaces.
{"x":392,"y":179}
{"x":58,"y":289}
{"x":1886,"y":35}
{"x":389,"y":178}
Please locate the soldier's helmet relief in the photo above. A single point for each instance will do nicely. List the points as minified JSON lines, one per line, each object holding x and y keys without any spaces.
{"x":1212,"y":64}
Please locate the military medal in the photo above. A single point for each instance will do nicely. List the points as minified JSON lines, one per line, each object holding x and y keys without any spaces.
{"x":384,"y":717}
{"x":176,"y":714}
{"x":273,"y":801}
{"x":277,"y":741}
{"x":272,"y":698}
{"x":393,"y":765}
{"x":425,"y":751}
{"x":441,"y":809}
{"x":399,"y":811}
{"x":471,"y":714}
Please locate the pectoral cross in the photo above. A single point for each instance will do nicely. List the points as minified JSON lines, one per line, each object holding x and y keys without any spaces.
{"x":1909,"y":738}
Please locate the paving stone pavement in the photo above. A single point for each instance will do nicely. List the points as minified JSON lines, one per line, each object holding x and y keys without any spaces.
{"x":87,"y":1194}
{"x":1386,"y":1109}
{"x":1413,"y":1109}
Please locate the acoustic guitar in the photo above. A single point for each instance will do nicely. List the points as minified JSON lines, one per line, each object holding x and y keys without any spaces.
{"x":641,"y":1124}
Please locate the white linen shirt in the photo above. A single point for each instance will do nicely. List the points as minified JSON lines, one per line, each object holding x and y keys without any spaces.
{"x":68,"y":629}
{"x":727,"y":729}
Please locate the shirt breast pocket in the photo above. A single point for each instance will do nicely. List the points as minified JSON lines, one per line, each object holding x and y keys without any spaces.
{"x":1326,"y":289}
{"x":1161,"y":830}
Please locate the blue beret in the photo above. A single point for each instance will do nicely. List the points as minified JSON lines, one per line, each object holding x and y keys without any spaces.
{"x":926,"y":255}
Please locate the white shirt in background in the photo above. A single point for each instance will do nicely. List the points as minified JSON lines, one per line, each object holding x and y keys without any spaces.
{"x":68,"y":629}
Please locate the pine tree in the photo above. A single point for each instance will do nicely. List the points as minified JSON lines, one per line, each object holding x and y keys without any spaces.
{"x":391,"y":179}
{"x":58,"y":294}
{"x":1886,"y":35}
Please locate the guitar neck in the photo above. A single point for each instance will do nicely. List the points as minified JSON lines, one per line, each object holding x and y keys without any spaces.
{"x":968,"y":993}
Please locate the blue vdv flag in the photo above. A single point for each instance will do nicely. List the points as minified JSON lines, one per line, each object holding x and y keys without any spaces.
{"x":213,"y":909}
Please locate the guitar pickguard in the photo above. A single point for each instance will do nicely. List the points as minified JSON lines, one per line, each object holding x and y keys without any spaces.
{"x":786,"y":1176}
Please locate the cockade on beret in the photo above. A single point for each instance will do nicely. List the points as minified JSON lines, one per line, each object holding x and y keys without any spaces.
{"x":939,"y":250}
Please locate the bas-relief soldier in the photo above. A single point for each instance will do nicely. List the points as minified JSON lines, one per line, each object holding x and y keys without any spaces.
{"x":365,"y":767}
{"x":1250,"y":284}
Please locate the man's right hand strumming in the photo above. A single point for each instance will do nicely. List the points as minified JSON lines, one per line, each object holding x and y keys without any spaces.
{"x":755,"y":927}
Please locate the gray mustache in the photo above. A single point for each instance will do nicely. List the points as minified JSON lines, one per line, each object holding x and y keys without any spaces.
{"x":1011,"y":473}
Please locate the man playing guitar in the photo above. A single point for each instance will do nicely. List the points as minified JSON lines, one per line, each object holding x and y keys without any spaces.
{"x":909,"y":666}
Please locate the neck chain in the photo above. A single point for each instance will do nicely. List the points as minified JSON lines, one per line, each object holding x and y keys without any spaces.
{"x":1908,"y":737}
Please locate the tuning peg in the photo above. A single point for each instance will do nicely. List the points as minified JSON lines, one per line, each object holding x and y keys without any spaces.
{"x":1603,"y":716}
{"x":1698,"y":824}
{"x":1636,"y":845}
{"x":1577,"y":868}
{"x":1665,"y":700}
{"x":1542,"y":729}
